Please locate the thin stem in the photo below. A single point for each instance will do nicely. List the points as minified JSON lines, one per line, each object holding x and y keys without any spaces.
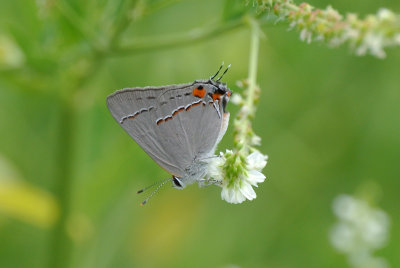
{"x":79,"y":24}
{"x":235,"y":165}
{"x":197,"y":35}
{"x":61,"y":244}
{"x":158,"y":6}
{"x":121,"y":26}
{"x":247,"y":112}
{"x":254,"y":48}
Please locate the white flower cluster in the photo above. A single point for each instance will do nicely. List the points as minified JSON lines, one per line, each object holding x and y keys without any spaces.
{"x":376,"y":38}
{"x":364,"y":36}
{"x":238,"y":190}
{"x":360,"y":230}
{"x":369,"y":36}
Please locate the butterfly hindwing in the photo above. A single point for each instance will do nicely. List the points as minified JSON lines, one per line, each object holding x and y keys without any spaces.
{"x":174,"y":125}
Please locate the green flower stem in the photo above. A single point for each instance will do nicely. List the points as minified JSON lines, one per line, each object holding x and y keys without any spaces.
{"x":252,"y":80}
{"x":235,"y":166}
{"x":243,"y":130}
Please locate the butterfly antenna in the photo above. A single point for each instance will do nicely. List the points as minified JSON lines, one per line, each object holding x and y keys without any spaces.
{"x":220,"y":67}
{"x":227,"y":68}
{"x":150,"y":186}
{"x":159,"y":186}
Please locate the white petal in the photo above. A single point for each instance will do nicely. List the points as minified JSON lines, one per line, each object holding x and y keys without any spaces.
{"x":374,"y":42}
{"x":238,"y":196}
{"x":225,"y":194}
{"x":236,"y":99}
{"x":396,"y":39}
{"x":255,"y":177}
{"x":232,"y":195}
{"x":292,"y":24}
{"x":385,"y":14}
{"x":214,"y":169}
{"x":228,"y":151}
{"x":255,"y":140}
{"x":248,"y":191}
{"x":256,"y":160}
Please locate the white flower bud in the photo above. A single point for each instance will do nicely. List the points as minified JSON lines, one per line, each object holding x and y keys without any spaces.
{"x":236,"y":99}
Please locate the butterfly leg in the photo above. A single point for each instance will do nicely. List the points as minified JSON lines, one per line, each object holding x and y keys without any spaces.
{"x":207,"y":182}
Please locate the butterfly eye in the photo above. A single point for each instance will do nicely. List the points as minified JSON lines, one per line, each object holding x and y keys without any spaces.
{"x":177,"y":183}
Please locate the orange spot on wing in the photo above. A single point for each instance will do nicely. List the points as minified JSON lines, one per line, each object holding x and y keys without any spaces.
{"x":199,"y":92}
{"x":228,"y":93}
{"x":216,"y":96}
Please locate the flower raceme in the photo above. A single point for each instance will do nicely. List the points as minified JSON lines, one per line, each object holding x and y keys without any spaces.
{"x":237,"y":174}
{"x":360,"y":231}
{"x":370,"y":35}
{"x":238,"y":170}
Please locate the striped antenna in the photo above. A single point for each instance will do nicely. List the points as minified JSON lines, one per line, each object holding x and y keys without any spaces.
{"x":227,"y":68}
{"x":159,"y":186}
{"x":150,"y":186}
{"x":220,"y":67}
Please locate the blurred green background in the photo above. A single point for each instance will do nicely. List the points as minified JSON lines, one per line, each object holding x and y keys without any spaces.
{"x":328,"y":120}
